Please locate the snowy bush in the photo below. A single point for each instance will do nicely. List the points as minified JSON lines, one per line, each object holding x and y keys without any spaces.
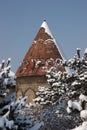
{"x":83,"y":98}
{"x":65,"y":86}
{"x":7,"y":82}
{"x":7,"y":78}
{"x":73,"y":105}
{"x":83,"y":114}
{"x":65,"y":83}
{"x":13,"y":116}
{"x":80,"y":106}
{"x":81,"y":127}
{"x":13,"y":112}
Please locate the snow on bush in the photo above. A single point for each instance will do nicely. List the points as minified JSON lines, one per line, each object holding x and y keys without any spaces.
{"x":65,"y":83}
{"x":9,"y":124}
{"x":74,"y":105}
{"x":15,"y":116}
{"x":6,"y":124}
{"x":7,"y":77}
{"x":83,"y":114}
{"x":66,"y":86}
{"x":13,"y":112}
{"x":83,"y":101}
{"x":81,"y":127}
{"x":83,"y":98}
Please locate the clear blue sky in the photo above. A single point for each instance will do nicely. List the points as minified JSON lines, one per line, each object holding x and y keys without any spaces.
{"x":20,"y":21}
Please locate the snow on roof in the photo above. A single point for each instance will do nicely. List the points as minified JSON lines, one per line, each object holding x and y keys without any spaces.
{"x":47,"y":30}
{"x":43,"y":48}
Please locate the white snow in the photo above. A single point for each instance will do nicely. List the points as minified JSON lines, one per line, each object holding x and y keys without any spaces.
{"x":12,"y":74}
{"x":38,"y":62}
{"x":6,"y":115}
{"x":47,"y":30}
{"x":68,"y":110}
{"x":85,"y":51}
{"x":48,"y":76}
{"x":2,"y":122}
{"x":9,"y":124}
{"x":75,"y":83}
{"x":48,"y":41}
{"x":37,"y":126}
{"x":5,"y":122}
{"x":81,"y":127}
{"x":57,"y":84}
{"x":83,"y":114}
{"x":74,"y":105}
{"x":37,"y":99}
{"x":41,"y":89}
{"x":51,"y":80}
{"x":83,"y":98}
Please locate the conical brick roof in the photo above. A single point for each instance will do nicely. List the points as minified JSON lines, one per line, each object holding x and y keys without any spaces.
{"x":42,"y":55}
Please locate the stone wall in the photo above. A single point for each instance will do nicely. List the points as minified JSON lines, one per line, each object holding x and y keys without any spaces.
{"x":28,"y":86}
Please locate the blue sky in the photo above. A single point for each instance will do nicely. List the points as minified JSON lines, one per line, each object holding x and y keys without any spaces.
{"x":20,"y":21}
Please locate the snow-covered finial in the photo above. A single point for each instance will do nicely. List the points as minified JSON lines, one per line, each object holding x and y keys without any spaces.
{"x":45,"y":20}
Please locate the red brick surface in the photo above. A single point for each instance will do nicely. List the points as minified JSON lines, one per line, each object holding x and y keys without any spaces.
{"x":43,"y":49}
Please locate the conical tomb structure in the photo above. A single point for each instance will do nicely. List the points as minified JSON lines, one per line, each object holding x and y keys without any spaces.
{"x":43,"y":54}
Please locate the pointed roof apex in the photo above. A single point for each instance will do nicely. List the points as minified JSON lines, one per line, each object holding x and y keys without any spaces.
{"x":44,"y":24}
{"x":47,"y":30}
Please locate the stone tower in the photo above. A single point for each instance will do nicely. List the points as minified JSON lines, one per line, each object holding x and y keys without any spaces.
{"x":41,"y":56}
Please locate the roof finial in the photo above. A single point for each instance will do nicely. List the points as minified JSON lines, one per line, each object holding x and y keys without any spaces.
{"x":44,"y":20}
